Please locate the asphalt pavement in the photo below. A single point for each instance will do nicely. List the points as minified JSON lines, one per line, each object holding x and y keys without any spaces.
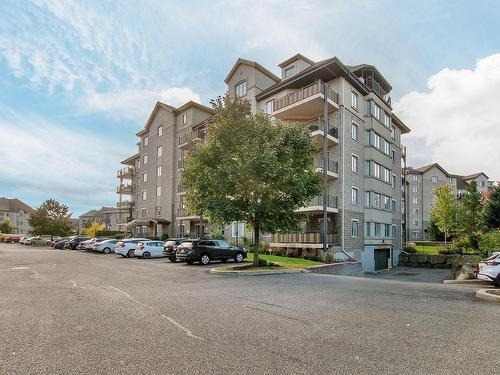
{"x":71,"y":312}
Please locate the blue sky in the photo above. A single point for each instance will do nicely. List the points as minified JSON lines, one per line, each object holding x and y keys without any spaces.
{"x":79,"y":78}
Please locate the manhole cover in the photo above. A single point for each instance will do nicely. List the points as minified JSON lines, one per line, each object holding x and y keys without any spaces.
{"x":407,"y":274}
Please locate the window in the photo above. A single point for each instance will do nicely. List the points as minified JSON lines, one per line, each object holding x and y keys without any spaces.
{"x":368,"y":201}
{"x":393,"y":155}
{"x":158,"y":191}
{"x":414,"y":177}
{"x":415,"y":200}
{"x":376,"y":139}
{"x":482,"y":183}
{"x":368,"y":137}
{"x":434,"y":179}
{"x":377,"y":170}
{"x":377,"y":201}
{"x":144,"y":195}
{"x":241,"y":88}
{"x":159,"y":151}
{"x":450,"y":180}
{"x":355,"y":100}
{"x":393,"y":132}
{"x":237,"y":229}
{"x":368,"y":228}
{"x":387,"y":120}
{"x":145,"y":140}
{"x":387,"y":148}
{"x":354,"y":196}
{"x":355,"y":162}
{"x":290,"y":71}
{"x":376,"y":111}
{"x":354,"y":228}
{"x":160,"y":131}
{"x":415,"y":235}
{"x":143,"y":212}
{"x":145,"y":177}
{"x":378,"y":230}
{"x":387,"y":175}
{"x":387,"y":230}
{"x":139,"y":164}
{"x":387,"y":203}
{"x":393,"y":205}
{"x":367,"y":168}
{"x":145,"y":159}
{"x":158,"y":171}
{"x":355,"y":131}
{"x":414,"y":189}
{"x":393,"y":231}
{"x":393,"y":183}
{"x":184,"y":118}
{"x":415,"y":211}
{"x":415,"y":222}
{"x":270,"y":107}
{"x":158,"y":210}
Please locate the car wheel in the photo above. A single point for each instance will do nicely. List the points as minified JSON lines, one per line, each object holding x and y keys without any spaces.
{"x":205,"y":259}
{"x":496,"y":282}
{"x":238,"y":258}
{"x":106,"y":250}
{"x":172,"y":259}
{"x":223,"y":260}
{"x":146,"y":255}
{"x":130,"y":254}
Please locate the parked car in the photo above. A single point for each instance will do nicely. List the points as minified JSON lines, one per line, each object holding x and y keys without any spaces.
{"x":36,"y":241}
{"x":126,"y":247}
{"x":170,"y":248}
{"x":489,"y":269}
{"x":22,"y":240}
{"x":206,"y":250}
{"x":12,"y":238}
{"x":89,"y":244}
{"x":149,"y":249}
{"x":74,"y":242}
{"x":60,"y":244}
{"x":105,"y":246}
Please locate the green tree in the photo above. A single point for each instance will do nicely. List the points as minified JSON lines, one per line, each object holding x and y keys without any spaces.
{"x":6,"y":226}
{"x":491,"y":215}
{"x":93,"y":229}
{"x":251,"y":169}
{"x":51,"y":218}
{"x":470,"y":210}
{"x":434,"y":233}
{"x":444,"y":210}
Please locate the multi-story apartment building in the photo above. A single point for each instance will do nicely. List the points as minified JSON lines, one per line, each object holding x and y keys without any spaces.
{"x":421,"y":183}
{"x":363,"y":164}
{"x":364,"y":150}
{"x":112,"y":218}
{"x":17,"y":212}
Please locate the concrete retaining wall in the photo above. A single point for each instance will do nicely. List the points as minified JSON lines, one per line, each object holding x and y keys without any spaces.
{"x":432,"y":261}
{"x":344,"y":268}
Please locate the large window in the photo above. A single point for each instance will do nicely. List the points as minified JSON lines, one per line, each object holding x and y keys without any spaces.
{"x":145,"y":140}
{"x":159,"y":151}
{"x":393,"y":183}
{"x":158,"y":191}
{"x":387,"y":120}
{"x":241,"y":88}
{"x":354,"y":196}
{"x":355,"y":131}
{"x":387,"y":230}
{"x":355,"y":164}
{"x":434,"y":179}
{"x":184,"y":118}
{"x":414,"y":177}
{"x":393,"y":132}
{"x":393,"y":205}
{"x":378,"y":230}
{"x":368,"y":228}
{"x":158,"y":171}
{"x":355,"y":100}
{"x":290,"y":71}
{"x":145,"y":177}
{"x":144,"y":195}
{"x":354,"y":227}
{"x":270,"y":107}
{"x":368,"y":201}
{"x":160,"y":131}
{"x":387,"y":175}
{"x":393,"y":231}
{"x":145,"y":159}
{"x":377,"y":170}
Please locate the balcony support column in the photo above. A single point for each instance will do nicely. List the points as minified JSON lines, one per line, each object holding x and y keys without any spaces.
{"x":325,"y":171}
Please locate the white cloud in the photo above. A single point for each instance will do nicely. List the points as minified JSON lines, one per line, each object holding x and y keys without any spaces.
{"x":43,"y":158}
{"x":456,"y":122}
{"x":136,"y":104}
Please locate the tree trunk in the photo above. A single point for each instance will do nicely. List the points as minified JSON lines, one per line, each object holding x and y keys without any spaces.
{"x":445,"y":237}
{"x":256,"y":236}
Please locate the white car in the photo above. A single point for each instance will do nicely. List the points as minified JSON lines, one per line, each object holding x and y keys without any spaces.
{"x":105,"y":246}
{"x":149,"y":249}
{"x":126,"y":247}
{"x":22,"y":240}
{"x":489,"y":269}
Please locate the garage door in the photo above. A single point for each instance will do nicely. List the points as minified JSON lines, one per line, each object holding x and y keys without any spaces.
{"x":381,"y":258}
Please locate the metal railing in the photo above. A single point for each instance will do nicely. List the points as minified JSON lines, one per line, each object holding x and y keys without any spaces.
{"x":194,"y":135}
{"x":331,"y":201}
{"x":180,"y":164}
{"x":125,"y":171}
{"x":377,"y":89}
{"x":332,"y":165}
{"x":303,"y":93}
{"x":312,"y":238}
{"x":317,"y":125}
{"x":124,"y":204}
{"x":125,"y":187}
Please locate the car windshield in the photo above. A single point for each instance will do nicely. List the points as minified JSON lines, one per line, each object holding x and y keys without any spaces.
{"x":170,"y":243}
{"x":493,"y":256}
{"x":187,"y":245}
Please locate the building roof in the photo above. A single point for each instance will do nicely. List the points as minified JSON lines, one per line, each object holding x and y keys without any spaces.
{"x":379,"y":76}
{"x":131,"y":159}
{"x":14,"y":205}
{"x":474,"y":176}
{"x":254,"y":64}
{"x":400,"y":124}
{"x":295,"y":57}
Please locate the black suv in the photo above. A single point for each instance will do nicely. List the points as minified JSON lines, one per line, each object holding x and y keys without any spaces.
{"x":206,"y":250}
{"x":170,"y":248}
{"x":74,"y":242}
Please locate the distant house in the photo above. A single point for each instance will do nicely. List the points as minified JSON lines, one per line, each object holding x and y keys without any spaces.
{"x":17,"y":212}
{"x":111,"y":217}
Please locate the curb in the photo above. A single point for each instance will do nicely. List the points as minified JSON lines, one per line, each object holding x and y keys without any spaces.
{"x":218,"y":271}
{"x":466,"y":282}
{"x":484,"y":295}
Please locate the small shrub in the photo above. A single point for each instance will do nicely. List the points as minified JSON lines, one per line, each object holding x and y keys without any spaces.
{"x":329,"y":258}
{"x":410,"y":247}
{"x":489,"y":243}
{"x":216,"y":235}
{"x":446,"y":251}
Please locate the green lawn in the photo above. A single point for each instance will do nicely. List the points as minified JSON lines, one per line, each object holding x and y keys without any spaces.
{"x":428,"y":249}
{"x":286,"y":262}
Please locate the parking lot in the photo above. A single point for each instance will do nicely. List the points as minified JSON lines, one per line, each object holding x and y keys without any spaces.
{"x":68,"y":312}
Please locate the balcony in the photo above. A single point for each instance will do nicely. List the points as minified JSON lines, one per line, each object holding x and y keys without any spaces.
{"x":125,"y":173}
{"x":197,"y":135}
{"x":305,"y":103}
{"x":184,"y":214}
{"x":315,"y":129}
{"x":300,"y":240}
{"x":181,"y":189}
{"x":180,"y":164}
{"x":332,"y":167}
{"x":373,"y":85}
{"x":316,"y":205}
{"x":125,"y":189}
{"x":124,"y":204}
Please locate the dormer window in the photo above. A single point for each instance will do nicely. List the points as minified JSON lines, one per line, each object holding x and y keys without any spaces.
{"x":290,"y":71}
{"x":241,"y":88}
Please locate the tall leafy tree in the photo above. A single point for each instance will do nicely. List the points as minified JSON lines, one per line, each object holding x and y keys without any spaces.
{"x":6,"y":226}
{"x":93,"y":229}
{"x":52,"y":218}
{"x":251,"y":169}
{"x":471,"y":210}
{"x":491,"y":215}
{"x":444,"y":210}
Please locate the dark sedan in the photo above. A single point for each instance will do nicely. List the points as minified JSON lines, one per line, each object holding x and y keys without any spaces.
{"x":206,"y":250}
{"x":72,"y":244}
{"x":170,"y":248}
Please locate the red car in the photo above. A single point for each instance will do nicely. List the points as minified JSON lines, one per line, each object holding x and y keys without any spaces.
{"x":12,"y":238}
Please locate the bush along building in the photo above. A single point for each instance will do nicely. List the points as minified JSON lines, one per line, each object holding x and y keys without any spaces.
{"x":363,"y":167}
{"x":421,"y":183}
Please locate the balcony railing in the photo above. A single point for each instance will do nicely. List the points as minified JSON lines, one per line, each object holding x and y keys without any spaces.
{"x":315,"y":126}
{"x":331,"y":201}
{"x":311,"y":238}
{"x":125,"y":188}
{"x":126,"y":171}
{"x":180,"y":164}
{"x":303,"y":93}
{"x":195,"y":135}
{"x":377,"y":89}
{"x":124,"y":204}
{"x":331,"y":165}
{"x":180,"y":188}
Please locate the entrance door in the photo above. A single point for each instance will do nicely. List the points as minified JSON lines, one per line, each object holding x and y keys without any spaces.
{"x":382,"y":258}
